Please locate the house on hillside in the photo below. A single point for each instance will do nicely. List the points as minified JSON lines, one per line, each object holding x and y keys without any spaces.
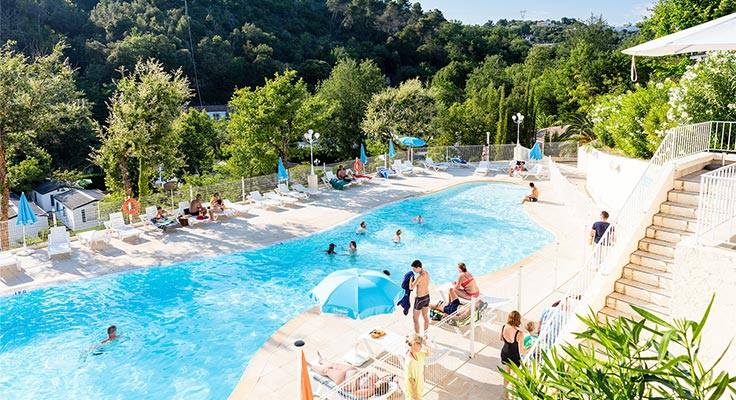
{"x":43,"y":194}
{"x":32,"y":231}
{"x":216,"y":111}
{"x":78,"y":208}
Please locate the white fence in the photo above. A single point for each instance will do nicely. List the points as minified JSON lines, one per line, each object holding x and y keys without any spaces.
{"x":679,"y":142}
{"x":717,"y":206}
{"x":467,"y":329}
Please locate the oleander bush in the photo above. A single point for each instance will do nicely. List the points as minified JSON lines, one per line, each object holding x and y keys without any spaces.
{"x":626,"y":359}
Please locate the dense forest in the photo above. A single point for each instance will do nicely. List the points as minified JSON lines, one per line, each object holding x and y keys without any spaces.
{"x":357,"y":71}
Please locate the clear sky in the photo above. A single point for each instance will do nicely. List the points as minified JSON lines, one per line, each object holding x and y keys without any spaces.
{"x":618,"y":12}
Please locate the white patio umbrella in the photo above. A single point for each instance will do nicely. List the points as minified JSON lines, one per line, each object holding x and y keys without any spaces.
{"x":719,"y":34}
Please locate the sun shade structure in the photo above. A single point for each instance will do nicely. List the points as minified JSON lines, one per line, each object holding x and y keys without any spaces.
{"x":25,"y":217}
{"x":357,"y":293}
{"x":719,"y":34}
{"x":412,"y":141}
{"x":536,"y":152}
{"x":282,"y":174}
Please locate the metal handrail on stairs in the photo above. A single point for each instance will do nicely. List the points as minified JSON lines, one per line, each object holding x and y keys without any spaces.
{"x":716,"y":206}
{"x":679,"y":142}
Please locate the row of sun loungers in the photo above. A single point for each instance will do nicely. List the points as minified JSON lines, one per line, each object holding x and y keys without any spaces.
{"x":59,"y":241}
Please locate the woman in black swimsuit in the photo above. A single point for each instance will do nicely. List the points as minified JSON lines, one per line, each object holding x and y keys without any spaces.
{"x":513,"y":343}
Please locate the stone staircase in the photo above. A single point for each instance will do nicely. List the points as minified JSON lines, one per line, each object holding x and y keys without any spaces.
{"x":646,"y":281}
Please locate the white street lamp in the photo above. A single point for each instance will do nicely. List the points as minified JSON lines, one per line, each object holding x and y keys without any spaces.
{"x":517,"y":119}
{"x":311,"y":137}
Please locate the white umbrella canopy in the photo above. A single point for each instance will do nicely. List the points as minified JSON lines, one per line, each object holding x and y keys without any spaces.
{"x":719,"y":34}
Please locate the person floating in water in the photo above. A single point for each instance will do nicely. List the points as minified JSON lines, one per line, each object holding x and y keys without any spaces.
{"x":331,"y":250}
{"x":397,"y":238}
{"x":112,"y":334}
{"x":362,"y":228}
{"x":418,"y":219}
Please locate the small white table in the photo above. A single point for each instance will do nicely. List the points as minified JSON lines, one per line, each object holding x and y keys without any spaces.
{"x":391,"y":343}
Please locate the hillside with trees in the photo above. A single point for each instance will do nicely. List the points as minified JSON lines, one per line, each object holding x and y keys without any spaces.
{"x":349,"y":69}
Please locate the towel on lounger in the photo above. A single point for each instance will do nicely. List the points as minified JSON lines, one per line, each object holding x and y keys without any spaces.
{"x":404,"y":302}
{"x":338,"y":184}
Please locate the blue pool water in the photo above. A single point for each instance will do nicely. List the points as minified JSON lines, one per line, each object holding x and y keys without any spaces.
{"x":190,"y":329}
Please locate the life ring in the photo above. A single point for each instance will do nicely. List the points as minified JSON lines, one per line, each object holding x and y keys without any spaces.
{"x":358,"y":166}
{"x":131,"y":206}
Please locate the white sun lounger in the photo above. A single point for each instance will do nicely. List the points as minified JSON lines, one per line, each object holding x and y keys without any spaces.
{"x":240,"y":208}
{"x":429,"y":163}
{"x":117,"y":227}
{"x":537,"y":171}
{"x":283,"y":189}
{"x":301,"y":188}
{"x":256,"y":198}
{"x":483,"y":168}
{"x":402,"y":169}
{"x":283,"y":200}
{"x":8,"y":260}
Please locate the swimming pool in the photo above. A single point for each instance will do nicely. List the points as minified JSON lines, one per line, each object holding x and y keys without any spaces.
{"x":191,"y":328}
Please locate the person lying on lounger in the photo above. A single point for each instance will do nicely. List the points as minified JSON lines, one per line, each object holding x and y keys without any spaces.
{"x":362,"y":386}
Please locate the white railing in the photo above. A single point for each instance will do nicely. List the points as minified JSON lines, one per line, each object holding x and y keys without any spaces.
{"x":717,"y":206}
{"x":445,"y":337}
{"x":679,"y":142}
{"x":723,"y":136}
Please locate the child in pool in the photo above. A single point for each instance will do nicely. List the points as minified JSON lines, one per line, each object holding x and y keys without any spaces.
{"x":419,"y":219}
{"x":397,"y":238}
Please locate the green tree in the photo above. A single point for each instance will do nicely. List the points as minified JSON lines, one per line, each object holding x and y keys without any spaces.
{"x":199,"y":141}
{"x":349,"y":89}
{"x":670,"y":16}
{"x":409,"y":110}
{"x":268,"y":120}
{"x":37,"y":95}
{"x":139,"y":135}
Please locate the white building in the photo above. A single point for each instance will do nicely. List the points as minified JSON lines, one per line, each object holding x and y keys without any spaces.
{"x":77,"y":208}
{"x":43,"y":194}
{"x":33,"y":231}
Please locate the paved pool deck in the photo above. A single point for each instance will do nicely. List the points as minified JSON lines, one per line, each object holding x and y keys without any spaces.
{"x":274,"y":370}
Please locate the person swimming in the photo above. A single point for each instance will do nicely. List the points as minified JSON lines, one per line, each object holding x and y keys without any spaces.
{"x":362,"y":228}
{"x":331,"y":250}
{"x":397,"y":238}
{"x":112,"y":334}
{"x":418,"y":219}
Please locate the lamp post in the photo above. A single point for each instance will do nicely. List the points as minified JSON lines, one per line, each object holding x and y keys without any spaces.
{"x":311,"y":137}
{"x":517,"y":119}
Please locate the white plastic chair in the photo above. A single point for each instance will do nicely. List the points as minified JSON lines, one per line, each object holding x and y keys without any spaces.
{"x":92,"y":238}
{"x":59,"y":242}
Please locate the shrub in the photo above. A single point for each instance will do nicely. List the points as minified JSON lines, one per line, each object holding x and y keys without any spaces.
{"x":635,"y":121}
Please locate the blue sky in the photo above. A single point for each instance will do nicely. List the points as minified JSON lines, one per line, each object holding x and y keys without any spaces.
{"x":479,"y":12}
